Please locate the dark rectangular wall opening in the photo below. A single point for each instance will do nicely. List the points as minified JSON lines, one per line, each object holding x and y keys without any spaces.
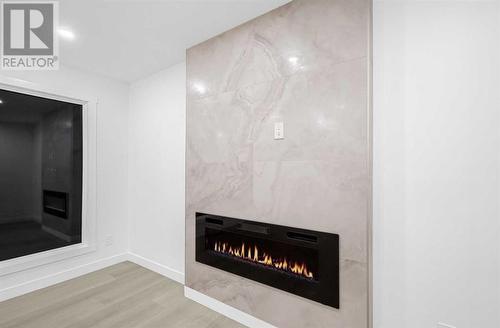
{"x":41,"y":146}
{"x":302,"y":262}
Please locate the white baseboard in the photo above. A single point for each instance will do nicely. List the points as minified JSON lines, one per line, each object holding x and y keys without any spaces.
{"x":59,"y":277}
{"x":226,"y":310}
{"x":157,"y":267}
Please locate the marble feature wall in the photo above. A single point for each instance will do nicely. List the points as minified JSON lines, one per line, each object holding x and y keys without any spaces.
{"x":306,"y":64}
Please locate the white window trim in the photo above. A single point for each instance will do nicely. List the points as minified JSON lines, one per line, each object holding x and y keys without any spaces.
{"x":89,"y":179}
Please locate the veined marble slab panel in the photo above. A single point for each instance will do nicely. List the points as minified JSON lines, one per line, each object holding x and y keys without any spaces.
{"x":305,"y":64}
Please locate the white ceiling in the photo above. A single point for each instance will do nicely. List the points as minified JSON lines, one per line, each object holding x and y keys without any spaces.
{"x":131,"y":39}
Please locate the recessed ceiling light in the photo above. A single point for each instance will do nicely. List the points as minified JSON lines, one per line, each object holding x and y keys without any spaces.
{"x":66,"y":34}
{"x":293,"y":60}
{"x":1,"y":101}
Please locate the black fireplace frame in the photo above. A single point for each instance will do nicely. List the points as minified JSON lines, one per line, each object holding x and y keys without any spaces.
{"x":59,"y":212}
{"x":326,"y":290}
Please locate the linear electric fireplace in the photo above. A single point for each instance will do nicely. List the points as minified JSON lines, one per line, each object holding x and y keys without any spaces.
{"x":55,"y":203}
{"x":302,"y":262}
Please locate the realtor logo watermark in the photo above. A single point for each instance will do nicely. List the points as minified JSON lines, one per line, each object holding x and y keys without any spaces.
{"x":29,"y":39}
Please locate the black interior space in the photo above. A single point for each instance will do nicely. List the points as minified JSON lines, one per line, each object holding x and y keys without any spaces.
{"x":40,"y":174}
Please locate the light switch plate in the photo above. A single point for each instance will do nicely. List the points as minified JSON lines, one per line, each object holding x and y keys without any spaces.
{"x":279,"y":132}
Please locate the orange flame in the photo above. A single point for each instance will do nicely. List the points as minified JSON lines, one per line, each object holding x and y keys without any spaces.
{"x":249,"y":254}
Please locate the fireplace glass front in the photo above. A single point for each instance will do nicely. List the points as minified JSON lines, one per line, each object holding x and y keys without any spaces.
{"x":302,"y":262}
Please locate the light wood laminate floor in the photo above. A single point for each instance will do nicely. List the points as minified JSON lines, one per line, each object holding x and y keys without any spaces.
{"x":122,"y":296}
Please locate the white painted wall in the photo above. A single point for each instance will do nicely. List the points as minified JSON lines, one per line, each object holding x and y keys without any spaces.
{"x":156,"y":169}
{"x":436,"y":164}
{"x":111,"y":190}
